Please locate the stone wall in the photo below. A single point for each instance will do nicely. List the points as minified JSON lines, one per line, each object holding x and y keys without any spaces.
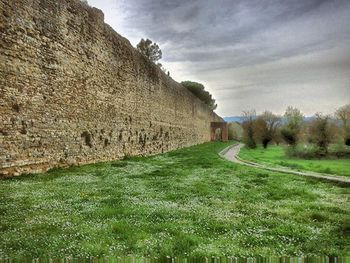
{"x":73,"y":91}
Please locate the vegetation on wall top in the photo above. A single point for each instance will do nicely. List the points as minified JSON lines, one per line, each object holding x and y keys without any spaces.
{"x":198,"y":90}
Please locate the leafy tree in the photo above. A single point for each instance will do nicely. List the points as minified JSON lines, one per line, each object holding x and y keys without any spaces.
{"x":293,"y":124}
{"x":321,"y":133}
{"x":343,"y":114}
{"x":199,"y":91}
{"x":150,"y":50}
{"x":248,"y":126}
{"x":266,"y":127}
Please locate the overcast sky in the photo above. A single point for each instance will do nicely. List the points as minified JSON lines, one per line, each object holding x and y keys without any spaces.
{"x":250,"y":54}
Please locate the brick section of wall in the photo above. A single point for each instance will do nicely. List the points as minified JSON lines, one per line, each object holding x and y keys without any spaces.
{"x":73,"y":91}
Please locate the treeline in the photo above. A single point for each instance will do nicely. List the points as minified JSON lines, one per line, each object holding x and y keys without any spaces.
{"x":307,"y":137}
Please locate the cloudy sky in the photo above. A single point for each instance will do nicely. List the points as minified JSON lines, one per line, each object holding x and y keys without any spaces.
{"x":250,"y":54}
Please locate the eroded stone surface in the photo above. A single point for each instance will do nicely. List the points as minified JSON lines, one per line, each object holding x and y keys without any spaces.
{"x":73,"y":91}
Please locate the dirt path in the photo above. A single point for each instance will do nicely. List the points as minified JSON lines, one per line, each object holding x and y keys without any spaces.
{"x":231,"y":153}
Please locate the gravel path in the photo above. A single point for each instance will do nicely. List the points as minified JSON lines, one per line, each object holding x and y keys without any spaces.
{"x":231,"y":153}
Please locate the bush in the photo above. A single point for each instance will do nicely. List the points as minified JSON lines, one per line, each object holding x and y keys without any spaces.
{"x":316,"y":152}
{"x":304,"y":152}
{"x":340,"y":151}
{"x":250,"y":143}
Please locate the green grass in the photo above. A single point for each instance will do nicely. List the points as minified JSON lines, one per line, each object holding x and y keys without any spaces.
{"x":185,"y":202}
{"x":275,"y":156}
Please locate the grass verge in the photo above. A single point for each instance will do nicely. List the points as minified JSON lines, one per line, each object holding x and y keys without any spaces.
{"x":275,"y":156}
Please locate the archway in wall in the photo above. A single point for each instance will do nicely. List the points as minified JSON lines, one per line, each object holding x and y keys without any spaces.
{"x":219,"y":131}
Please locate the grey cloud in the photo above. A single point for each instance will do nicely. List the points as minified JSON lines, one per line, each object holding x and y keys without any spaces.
{"x":241,"y":48}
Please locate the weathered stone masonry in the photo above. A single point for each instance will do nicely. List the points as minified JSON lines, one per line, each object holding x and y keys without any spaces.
{"x":73,"y":91}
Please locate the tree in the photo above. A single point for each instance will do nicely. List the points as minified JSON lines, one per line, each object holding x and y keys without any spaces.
{"x":199,"y":91}
{"x":235,"y":131}
{"x":248,"y":126}
{"x":278,"y":137}
{"x":343,"y":114}
{"x":320,"y":131}
{"x":266,"y":127}
{"x":293,"y":123}
{"x":150,"y":50}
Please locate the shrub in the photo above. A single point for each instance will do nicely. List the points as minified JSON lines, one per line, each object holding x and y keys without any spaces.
{"x":250,"y":143}
{"x":316,"y":152}
{"x":340,"y":151}
{"x":304,"y":151}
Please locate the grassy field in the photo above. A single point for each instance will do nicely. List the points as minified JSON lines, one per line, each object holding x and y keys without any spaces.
{"x":275,"y":155}
{"x":186,"y":202}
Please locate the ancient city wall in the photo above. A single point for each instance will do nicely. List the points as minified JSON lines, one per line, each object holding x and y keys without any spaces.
{"x":73,"y":91}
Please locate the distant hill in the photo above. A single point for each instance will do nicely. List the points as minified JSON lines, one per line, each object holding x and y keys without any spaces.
{"x":239,"y":119}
